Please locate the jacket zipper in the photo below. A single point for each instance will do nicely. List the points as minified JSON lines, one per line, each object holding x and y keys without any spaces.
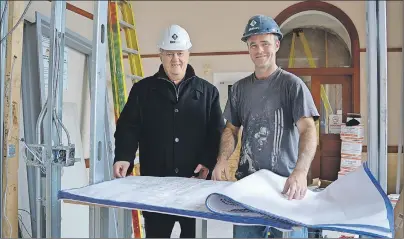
{"x":175,"y":88}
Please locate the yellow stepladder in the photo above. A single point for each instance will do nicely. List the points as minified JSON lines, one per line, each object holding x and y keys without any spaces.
{"x":323,"y":94}
{"x":121,"y":17}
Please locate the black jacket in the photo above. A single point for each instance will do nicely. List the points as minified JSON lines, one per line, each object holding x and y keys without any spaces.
{"x":174,"y":129}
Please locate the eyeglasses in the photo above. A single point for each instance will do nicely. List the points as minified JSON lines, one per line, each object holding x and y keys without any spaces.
{"x":171,"y":54}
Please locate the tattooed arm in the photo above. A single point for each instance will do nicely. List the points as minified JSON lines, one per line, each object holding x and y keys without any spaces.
{"x":228,"y":143}
{"x":229,"y":138}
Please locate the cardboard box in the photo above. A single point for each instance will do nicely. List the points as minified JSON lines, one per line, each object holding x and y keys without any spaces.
{"x":355,"y":133}
{"x":351,"y":149}
{"x":346,"y":170}
{"x":350,"y":162}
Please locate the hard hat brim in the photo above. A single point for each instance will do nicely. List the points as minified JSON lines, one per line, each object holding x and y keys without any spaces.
{"x":245,"y":38}
{"x":175,"y":47}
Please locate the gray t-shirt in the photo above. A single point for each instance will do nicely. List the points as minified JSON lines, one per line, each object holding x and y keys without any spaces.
{"x":268,"y":110}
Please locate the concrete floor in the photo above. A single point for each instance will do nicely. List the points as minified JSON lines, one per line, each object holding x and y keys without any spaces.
{"x":216,"y":229}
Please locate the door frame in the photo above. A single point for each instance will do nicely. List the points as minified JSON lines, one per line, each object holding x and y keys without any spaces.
{"x":321,"y":76}
{"x":318,"y":165}
{"x":346,"y":21}
{"x":315,"y":168}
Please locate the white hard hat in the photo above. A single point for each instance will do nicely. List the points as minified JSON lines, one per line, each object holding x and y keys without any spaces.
{"x":175,"y":38}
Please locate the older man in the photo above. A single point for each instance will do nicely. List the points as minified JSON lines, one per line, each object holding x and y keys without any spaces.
{"x":277,"y":113}
{"x":175,"y":118}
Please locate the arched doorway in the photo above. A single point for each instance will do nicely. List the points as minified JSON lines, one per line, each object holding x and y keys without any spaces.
{"x":321,"y":46}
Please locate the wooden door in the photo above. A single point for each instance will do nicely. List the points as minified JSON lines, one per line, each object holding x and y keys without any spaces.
{"x":326,"y":163}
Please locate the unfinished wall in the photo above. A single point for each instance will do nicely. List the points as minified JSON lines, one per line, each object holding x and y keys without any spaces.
{"x":73,"y":104}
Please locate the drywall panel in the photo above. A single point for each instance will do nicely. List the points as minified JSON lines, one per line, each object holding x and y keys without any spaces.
{"x":75,"y":218}
{"x":75,"y":95}
{"x":74,"y":89}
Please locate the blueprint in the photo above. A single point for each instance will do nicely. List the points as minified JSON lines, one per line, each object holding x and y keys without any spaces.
{"x":181,"y":193}
{"x":354,"y":203}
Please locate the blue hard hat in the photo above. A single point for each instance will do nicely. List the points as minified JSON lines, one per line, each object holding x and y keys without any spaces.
{"x":261,"y":24}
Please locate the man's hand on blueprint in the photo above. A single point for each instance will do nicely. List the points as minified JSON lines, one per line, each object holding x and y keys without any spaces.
{"x":202,"y":171}
{"x":221,"y":169}
{"x":296,"y":185}
{"x":120,"y":169}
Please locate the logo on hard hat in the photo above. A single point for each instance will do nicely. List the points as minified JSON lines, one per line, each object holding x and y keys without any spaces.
{"x":253,"y":27}
{"x":174,"y":36}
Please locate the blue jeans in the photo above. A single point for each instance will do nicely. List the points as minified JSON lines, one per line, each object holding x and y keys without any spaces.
{"x":253,"y":231}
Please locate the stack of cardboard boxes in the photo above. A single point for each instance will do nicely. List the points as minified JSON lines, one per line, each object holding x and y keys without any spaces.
{"x":352,"y":135}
